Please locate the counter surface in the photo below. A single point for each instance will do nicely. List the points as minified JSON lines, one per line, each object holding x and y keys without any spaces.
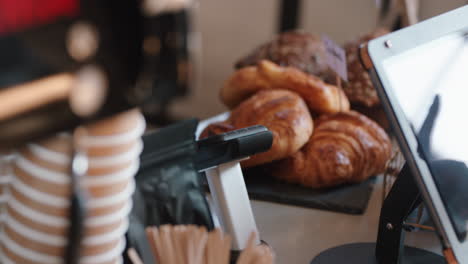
{"x":299,"y":234}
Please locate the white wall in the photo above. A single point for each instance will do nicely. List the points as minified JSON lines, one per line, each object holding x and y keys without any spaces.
{"x":231,"y":28}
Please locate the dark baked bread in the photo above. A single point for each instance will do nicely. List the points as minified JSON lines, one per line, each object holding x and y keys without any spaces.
{"x":283,"y":112}
{"x":303,"y":51}
{"x":359,"y":88}
{"x":346,"y":147}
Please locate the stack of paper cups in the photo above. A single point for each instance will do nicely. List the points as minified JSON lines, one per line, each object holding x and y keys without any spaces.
{"x":113,"y":147}
{"x":37,"y":210}
{"x":5,"y":178}
{"x":37,"y":215}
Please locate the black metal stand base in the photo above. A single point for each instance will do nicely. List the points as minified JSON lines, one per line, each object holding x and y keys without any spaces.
{"x":364,"y":253}
{"x":403,"y":198}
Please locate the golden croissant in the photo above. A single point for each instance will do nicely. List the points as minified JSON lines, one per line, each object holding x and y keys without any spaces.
{"x":320,"y":97}
{"x":346,"y":147}
{"x":283,"y":112}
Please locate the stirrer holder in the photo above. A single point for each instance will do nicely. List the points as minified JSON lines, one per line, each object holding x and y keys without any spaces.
{"x":219,"y":156}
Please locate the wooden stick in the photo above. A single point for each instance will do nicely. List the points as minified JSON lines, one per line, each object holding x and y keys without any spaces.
{"x":152,"y":242}
{"x":422,"y":226}
{"x":133,"y":256}
{"x":201,"y":239}
{"x":161,"y":253}
{"x":194,"y":245}
{"x":247,"y":254}
{"x":209,"y":249}
{"x":166,"y":244}
{"x":184,"y":239}
{"x":175,"y":233}
{"x":190,"y":245}
{"x":226,"y":249}
{"x":217,"y":241}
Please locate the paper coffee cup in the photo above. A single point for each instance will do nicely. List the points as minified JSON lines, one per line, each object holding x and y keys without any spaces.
{"x":108,"y":257}
{"x":112,"y":144}
{"x":38,"y":205}
{"x":37,"y":196}
{"x":109,"y":190}
{"x":117,"y":168}
{"x":106,"y":201}
{"x":116,"y":160}
{"x":5,"y":178}
{"x":50,"y":223}
{"x":46,"y":162}
{"x":19,"y":254}
{"x":42,"y":241}
{"x":106,"y":237}
{"x":99,"y":249}
{"x":52,"y":245}
{"x":42,"y":246}
{"x":9,"y":257}
{"x":43,"y":180}
{"x":110,"y":227}
{"x":104,"y":176}
{"x":117,"y":260}
{"x":111,"y":150}
{"x":36,"y":220}
{"x":100,"y":221}
{"x":58,"y":144}
{"x":118,"y":124}
{"x":46,"y":158}
{"x":100,"y":211}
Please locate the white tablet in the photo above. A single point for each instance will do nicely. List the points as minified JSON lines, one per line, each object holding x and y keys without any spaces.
{"x":421,"y":74}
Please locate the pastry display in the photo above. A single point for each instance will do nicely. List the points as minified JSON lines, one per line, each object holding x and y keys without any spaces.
{"x":359,"y":88}
{"x":283,"y":112}
{"x":346,"y":147}
{"x":280,"y":85}
{"x":320,"y":97}
{"x":301,"y":50}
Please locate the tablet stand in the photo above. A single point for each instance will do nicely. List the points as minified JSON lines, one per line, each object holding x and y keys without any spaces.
{"x":403,"y":198}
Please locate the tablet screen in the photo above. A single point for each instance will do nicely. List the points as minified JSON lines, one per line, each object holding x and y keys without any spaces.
{"x":430,"y":83}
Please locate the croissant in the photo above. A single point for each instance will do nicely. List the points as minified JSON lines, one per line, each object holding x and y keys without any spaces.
{"x":319,"y":96}
{"x":283,"y":112}
{"x":346,"y":147}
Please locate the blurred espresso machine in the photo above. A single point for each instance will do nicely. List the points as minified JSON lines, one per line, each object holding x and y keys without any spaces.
{"x":68,"y":62}
{"x":79,"y":79}
{"x":76,"y":78}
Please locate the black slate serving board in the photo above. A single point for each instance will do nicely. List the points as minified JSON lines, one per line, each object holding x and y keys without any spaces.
{"x":349,"y":199}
